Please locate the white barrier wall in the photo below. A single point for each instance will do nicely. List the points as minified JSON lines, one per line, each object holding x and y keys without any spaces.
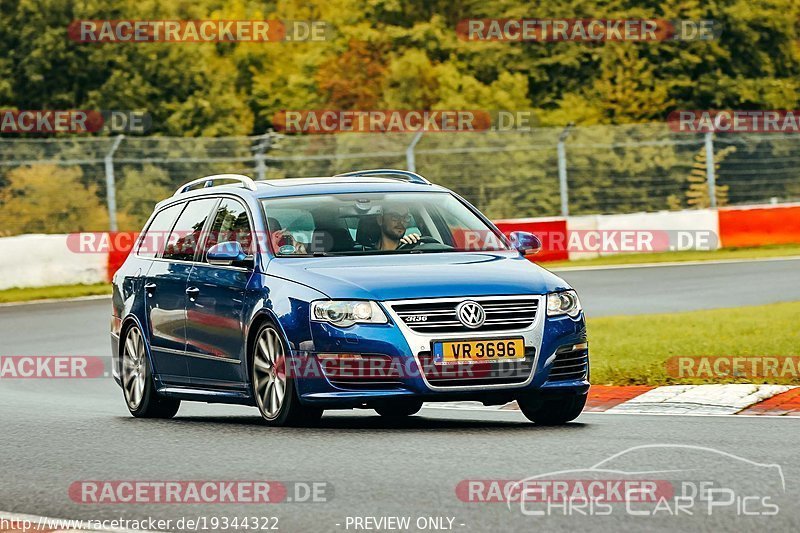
{"x":582,"y":224}
{"x":686,"y":230}
{"x":699,"y":228}
{"x":44,"y":260}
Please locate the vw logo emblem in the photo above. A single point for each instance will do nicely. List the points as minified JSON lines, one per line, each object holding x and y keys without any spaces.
{"x":471,"y":314}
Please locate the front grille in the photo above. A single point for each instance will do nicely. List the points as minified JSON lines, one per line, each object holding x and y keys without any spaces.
{"x":480,"y":373}
{"x":435,"y":317}
{"x":569,"y":364}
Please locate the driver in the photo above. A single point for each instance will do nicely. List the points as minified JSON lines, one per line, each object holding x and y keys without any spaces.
{"x":393,"y":223}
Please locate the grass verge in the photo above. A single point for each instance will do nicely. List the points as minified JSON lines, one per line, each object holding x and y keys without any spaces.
{"x":54,"y":292}
{"x":634,"y":350}
{"x":782,"y":250}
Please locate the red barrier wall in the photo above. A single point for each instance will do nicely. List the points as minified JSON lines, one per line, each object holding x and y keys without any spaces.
{"x":758,"y":226}
{"x":552,"y":233}
{"x":119,"y":250}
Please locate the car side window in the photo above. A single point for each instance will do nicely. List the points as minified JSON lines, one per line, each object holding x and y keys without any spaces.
{"x":290,"y":226}
{"x":183,"y":238}
{"x":153,"y":240}
{"x":231,"y":223}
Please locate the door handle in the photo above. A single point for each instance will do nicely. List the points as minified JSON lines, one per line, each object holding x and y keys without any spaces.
{"x":192,"y":291}
{"x":149,"y":287}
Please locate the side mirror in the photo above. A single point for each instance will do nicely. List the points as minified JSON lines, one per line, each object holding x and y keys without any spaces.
{"x":228,"y":253}
{"x":526,"y":243}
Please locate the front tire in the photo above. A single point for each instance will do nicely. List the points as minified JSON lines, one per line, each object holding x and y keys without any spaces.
{"x":138,"y":387}
{"x":552,"y":411}
{"x":273,"y":388}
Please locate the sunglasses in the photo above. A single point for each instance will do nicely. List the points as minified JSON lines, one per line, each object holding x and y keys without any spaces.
{"x":398,"y":217}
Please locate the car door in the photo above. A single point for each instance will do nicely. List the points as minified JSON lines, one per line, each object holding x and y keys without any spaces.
{"x":215,"y":321}
{"x":165,"y":292}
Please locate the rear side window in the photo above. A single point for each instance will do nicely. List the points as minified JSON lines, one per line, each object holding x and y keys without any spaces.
{"x":183,"y":239}
{"x":153,"y":240}
{"x":230,"y":224}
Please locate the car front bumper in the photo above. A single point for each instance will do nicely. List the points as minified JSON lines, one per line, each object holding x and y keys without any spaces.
{"x":547,"y":339}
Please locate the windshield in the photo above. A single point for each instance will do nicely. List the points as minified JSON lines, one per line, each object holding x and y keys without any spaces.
{"x":376,"y":223}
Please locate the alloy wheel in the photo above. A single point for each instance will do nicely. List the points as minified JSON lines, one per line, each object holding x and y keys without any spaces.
{"x":269,"y":373}
{"x":134,"y":368}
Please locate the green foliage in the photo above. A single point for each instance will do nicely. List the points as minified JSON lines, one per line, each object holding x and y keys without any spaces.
{"x":406,"y":54}
{"x":29,"y":205}
{"x":137,"y":193}
{"x":399,"y":55}
{"x":697,"y":193}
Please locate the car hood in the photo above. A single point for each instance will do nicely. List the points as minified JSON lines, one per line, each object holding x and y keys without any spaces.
{"x":431,"y":275}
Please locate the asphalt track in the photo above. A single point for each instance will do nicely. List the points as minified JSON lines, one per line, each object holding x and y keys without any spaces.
{"x":56,"y":432}
{"x":674,"y":288}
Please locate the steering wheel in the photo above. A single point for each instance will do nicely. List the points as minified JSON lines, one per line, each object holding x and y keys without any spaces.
{"x":425,"y":239}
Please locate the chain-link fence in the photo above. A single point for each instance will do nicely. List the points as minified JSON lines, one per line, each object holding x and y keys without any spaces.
{"x":94,"y":184}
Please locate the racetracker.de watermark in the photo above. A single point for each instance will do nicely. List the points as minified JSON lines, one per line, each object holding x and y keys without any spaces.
{"x":312,"y":121}
{"x":563,"y":490}
{"x":734,"y":121}
{"x":328,"y":121}
{"x":734,"y":366}
{"x":115,"y":492}
{"x":590,"y":241}
{"x":198,"y":31}
{"x":586,"y":30}
{"x":48,"y":121}
{"x":54,"y":367}
{"x":626,"y":240}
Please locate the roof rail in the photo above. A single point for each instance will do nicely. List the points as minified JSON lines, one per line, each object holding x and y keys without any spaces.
{"x":391,"y":173}
{"x":208,"y":181}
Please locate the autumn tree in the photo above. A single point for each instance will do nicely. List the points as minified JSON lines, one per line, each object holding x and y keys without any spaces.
{"x":50,"y":199}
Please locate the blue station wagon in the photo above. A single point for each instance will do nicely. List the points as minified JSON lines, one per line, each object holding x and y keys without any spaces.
{"x":373,"y":289}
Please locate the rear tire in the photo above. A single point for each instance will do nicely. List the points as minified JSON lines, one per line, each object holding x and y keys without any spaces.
{"x":273,"y":388}
{"x":399,"y":410}
{"x":138,"y":387}
{"x":552,"y":411}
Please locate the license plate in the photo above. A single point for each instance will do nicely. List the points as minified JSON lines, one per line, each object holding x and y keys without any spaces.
{"x":478,"y":350}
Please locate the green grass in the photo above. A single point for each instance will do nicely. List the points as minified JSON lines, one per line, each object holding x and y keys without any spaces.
{"x":633,"y":350}
{"x":55,"y":292}
{"x":781,"y":250}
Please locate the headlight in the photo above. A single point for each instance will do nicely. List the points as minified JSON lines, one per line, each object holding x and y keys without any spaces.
{"x":345,"y":313}
{"x":563,"y":303}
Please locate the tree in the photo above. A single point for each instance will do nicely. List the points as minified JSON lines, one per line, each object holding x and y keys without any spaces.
{"x":138,"y":192}
{"x":354,"y":80}
{"x":697,"y":195}
{"x":50,"y":199}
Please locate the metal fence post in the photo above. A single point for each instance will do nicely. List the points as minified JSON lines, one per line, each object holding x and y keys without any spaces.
{"x":711,"y":175}
{"x":411,"y":162}
{"x":562,"y":169}
{"x":111,"y":186}
{"x":260,"y":148}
